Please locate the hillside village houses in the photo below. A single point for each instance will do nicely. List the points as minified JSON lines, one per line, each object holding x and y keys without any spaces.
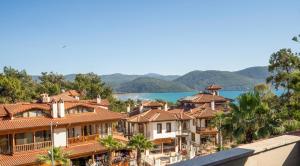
{"x":184,"y":131}
{"x":25,"y":128}
{"x":177,"y":133}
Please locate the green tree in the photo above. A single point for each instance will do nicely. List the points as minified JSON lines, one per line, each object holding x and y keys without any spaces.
{"x":140,"y":143}
{"x":249,"y":117}
{"x":296,"y":38}
{"x":91,"y":86}
{"x":219,"y":122}
{"x":52,"y":83}
{"x":282,"y":64}
{"x":60,"y":157}
{"x":10,"y":89}
{"x":16,"y":86}
{"x":112,"y":145}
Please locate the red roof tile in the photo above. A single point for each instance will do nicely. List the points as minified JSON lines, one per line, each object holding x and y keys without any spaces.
{"x":213,"y":87}
{"x":22,"y":123}
{"x":204,"y":98}
{"x":153,"y":115}
{"x":27,"y":158}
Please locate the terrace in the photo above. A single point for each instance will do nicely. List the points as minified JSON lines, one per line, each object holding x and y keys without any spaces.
{"x":281,"y":150}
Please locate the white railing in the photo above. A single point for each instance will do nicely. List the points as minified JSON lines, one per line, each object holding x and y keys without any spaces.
{"x":148,"y":160}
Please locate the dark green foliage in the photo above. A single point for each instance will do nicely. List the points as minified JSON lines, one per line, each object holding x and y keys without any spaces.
{"x":90,"y":85}
{"x":139,"y":143}
{"x":147,"y":84}
{"x":229,"y":80}
{"x":52,"y":83}
{"x":16,"y":86}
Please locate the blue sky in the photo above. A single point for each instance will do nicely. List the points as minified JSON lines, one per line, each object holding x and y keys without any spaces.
{"x":144,"y":36}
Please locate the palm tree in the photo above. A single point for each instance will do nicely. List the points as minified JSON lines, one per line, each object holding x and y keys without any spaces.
{"x":60,"y":157}
{"x":250,"y":117}
{"x":140,"y":143}
{"x":111,"y":144}
{"x":218,"y":122}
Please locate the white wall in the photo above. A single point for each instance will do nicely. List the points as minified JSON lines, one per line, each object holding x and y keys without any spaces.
{"x":163,"y":134}
{"x":60,"y":137}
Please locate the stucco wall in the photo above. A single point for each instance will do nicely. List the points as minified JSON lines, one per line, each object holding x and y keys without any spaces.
{"x":60,"y":137}
{"x":282,"y":150}
{"x":163,"y":134}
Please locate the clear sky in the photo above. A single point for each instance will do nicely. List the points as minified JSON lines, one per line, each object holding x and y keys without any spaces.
{"x":144,"y":36}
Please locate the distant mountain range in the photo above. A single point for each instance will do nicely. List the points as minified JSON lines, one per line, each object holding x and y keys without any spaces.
{"x":195,"y":80}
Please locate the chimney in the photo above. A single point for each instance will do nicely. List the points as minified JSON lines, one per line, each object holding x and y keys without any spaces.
{"x":54,"y":108}
{"x":128,"y":108}
{"x":141,"y":108}
{"x":212,"y":105}
{"x":166,"y":106}
{"x":45,"y":98}
{"x":98,"y":99}
{"x":61,"y":108}
{"x":213,"y":93}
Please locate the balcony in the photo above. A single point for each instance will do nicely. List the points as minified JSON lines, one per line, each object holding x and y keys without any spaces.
{"x":81,"y":139}
{"x":32,"y":146}
{"x":206,"y":130}
{"x":183,"y":132}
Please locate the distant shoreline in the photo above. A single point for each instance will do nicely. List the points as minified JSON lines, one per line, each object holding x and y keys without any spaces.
{"x":120,"y":93}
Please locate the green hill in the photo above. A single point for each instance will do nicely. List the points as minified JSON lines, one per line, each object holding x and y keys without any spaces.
{"x":147,"y":84}
{"x":259,"y":72}
{"x":198,"y":80}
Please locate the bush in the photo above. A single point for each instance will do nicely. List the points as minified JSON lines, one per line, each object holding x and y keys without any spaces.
{"x":291,"y":125}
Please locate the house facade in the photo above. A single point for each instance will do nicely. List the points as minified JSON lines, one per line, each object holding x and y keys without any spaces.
{"x":203,"y":108}
{"x":168,"y":130}
{"x":28,"y":129}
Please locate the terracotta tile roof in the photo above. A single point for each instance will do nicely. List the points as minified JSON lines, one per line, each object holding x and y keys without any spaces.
{"x":152,"y":104}
{"x":21,"y":123}
{"x":104,"y":102}
{"x":153,"y":115}
{"x":20,"y":107}
{"x":180,"y":114}
{"x":27,"y":158}
{"x":62,"y":96}
{"x":72,"y":93}
{"x":69,"y":105}
{"x":213,"y":87}
{"x":204,"y":98}
{"x":3,"y":111}
{"x":203,"y":112}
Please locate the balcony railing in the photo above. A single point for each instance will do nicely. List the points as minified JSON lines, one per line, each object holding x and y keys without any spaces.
{"x":183,"y":132}
{"x":206,"y":130}
{"x":80,"y":139}
{"x":32,"y":146}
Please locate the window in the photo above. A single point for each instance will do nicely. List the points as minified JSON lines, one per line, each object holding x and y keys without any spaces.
{"x":31,"y":113}
{"x":194,"y":122}
{"x":193,"y":137}
{"x":168,"y":126}
{"x":159,"y":128}
{"x":184,"y":126}
{"x":24,"y":138}
{"x":41,"y":136}
{"x":78,"y":110}
{"x":71,"y":132}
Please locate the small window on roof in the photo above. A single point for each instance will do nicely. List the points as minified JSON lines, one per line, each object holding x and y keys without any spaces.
{"x":78,"y":110}
{"x":31,"y":113}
